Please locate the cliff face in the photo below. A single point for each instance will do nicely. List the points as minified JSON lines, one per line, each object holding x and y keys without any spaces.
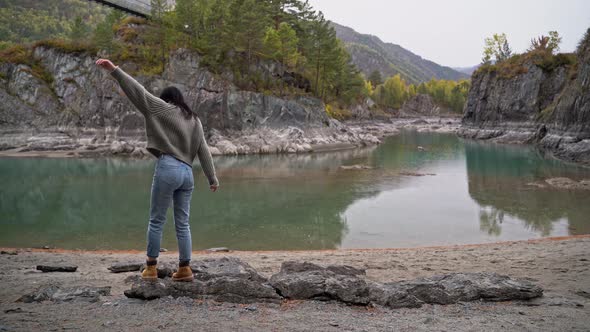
{"x":76,"y":98}
{"x":549,"y":107}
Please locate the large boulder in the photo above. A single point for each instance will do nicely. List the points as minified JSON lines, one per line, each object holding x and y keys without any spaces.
{"x":232,"y":280}
{"x":226,"y":279}
{"x":452,"y":288}
{"x":310,"y":281}
{"x":232,"y":267}
{"x":64,"y":294}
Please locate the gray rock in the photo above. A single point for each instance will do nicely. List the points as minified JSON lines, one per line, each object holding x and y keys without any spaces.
{"x":310,"y":281}
{"x":219,"y":249}
{"x":57,"y":268}
{"x":59,"y":294}
{"x":355,"y":167}
{"x":125,"y":267}
{"x":420,"y":105}
{"x":225,"y":267}
{"x":452,"y":288}
{"x":225,"y":279}
{"x":346,"y":270}
{"x":8,"y":252}
{"x":231,"y":280}
{"x":583,"y":294}
{"x":148,"y":290}
{"x":227,"y":289}
{"x":567,"y":183}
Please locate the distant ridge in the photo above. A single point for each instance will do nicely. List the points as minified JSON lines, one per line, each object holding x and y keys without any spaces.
{"x":466,"y":70}
{"x":369,"y":53}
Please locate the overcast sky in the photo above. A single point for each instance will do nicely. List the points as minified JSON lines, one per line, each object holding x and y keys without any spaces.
{"x":452,"y":32}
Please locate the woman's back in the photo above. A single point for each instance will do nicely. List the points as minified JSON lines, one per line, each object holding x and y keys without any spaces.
{"x":169,"y":128}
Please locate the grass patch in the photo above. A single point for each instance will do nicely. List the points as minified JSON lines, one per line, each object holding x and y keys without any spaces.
{"x":127,"y":34}
{"x":23,"y":55}
{"x":517,"y":64}
{"x":337,"y":113}
{"x":379,"y":112}
{"x":549,"y":62}
{"x":17,"y":54}
{"x":74,"y":47}
{"x":145,"y":57}
{"x":133,"y":20}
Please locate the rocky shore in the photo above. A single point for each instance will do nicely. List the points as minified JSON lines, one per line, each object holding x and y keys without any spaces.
{"x":75,"y":109}
{"x":264,"y":140}
{"x":423,"y":289}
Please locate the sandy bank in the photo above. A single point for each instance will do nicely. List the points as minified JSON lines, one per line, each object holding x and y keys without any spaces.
{"x":559,"y":265}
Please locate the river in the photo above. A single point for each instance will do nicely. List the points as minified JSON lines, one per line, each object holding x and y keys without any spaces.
{"x":424,"y":189}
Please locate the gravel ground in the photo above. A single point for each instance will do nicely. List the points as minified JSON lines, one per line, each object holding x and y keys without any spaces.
{"x":560,"y":266}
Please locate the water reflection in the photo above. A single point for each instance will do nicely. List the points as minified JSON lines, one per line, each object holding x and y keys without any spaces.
{"x":479,"y":193}
{"x":500,"y":180}
{"x":266,"y":202}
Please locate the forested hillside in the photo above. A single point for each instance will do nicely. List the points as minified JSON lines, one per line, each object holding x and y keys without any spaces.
{"x":369,"y":54}
{"x":242,"y":37}
{"x":24,"y":21}
{"x":278,"y":47}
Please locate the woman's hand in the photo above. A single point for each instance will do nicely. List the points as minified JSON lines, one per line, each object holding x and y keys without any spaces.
{"x":213,"y":188}
{"x":106,"y":64}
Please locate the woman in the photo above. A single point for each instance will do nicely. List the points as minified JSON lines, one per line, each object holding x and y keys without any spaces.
{"x":175,"y":136}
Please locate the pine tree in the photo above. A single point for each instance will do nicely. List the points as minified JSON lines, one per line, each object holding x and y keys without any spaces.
{"x":163,"y":35}
{"x":79,"y":29}
{"x":375,"y":78}
{"x":104,"y":35}
{"x":245,"y":30}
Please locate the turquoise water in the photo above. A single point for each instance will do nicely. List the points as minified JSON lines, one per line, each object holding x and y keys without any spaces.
{"x":478,"y":194}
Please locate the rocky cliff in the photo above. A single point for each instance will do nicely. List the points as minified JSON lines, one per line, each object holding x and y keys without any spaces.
{"x":544,"y":101}
{"x":74,"y":105}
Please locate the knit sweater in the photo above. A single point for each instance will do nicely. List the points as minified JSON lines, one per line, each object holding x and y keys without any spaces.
{"x":169,"y":129}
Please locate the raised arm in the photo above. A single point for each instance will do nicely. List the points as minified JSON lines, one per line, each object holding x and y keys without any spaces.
{"x":144,"y":101}
{"x":206,"y":160}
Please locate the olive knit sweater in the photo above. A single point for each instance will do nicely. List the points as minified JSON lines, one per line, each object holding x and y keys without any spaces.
{"x":169,"y":129}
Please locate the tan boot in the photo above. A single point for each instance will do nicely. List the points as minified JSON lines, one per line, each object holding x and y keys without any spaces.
{"x":150,"y":273}
{"x":184,"y":273}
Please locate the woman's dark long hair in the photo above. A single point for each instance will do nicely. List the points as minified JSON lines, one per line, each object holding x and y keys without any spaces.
{"x":173,"y":96}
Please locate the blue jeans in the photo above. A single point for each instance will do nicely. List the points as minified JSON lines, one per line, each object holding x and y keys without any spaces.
{"x":173,"y":182}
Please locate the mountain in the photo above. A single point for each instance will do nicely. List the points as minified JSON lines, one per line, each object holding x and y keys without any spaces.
{"x":466,"y":70}
{"x":369,"y":53}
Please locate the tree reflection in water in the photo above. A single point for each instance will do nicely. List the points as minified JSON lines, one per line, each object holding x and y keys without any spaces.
{"x":500,"y":178}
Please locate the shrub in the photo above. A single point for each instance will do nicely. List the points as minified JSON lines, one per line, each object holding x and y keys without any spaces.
{"x":17,"y":54}
{"x":133,"y":20}
{"x":127,"y":34}
{"x":337,"y":113}
{"x":67,"y":46}
{"x":549,"y":62}
{"x":517,"y":64}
